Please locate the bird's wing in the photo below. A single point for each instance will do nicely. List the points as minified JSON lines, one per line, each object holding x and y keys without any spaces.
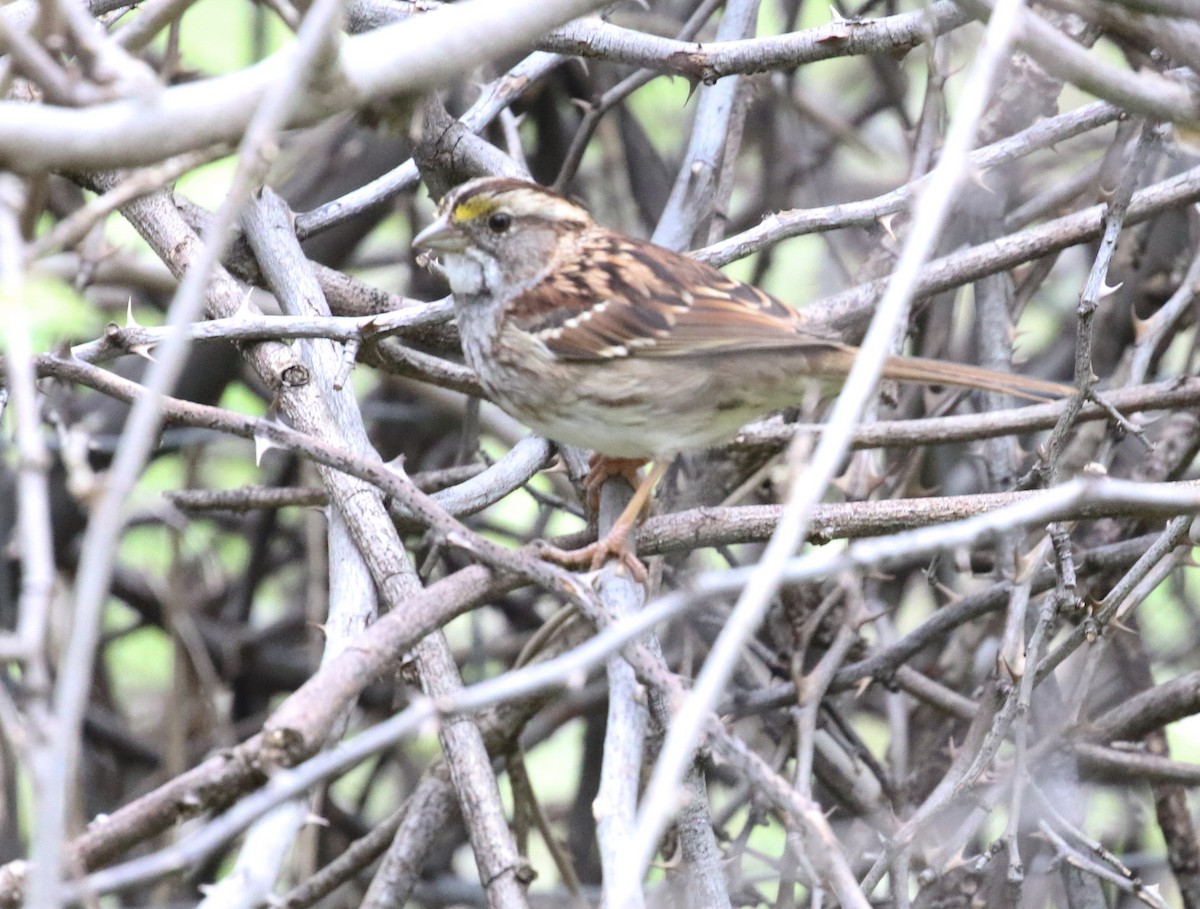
{"x":615,"y":297}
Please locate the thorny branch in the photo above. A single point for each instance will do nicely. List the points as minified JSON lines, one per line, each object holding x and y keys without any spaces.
{"x":955,"y":677}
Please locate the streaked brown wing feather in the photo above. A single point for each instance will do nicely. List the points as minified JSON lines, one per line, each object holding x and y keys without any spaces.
{"x":613,"y":296}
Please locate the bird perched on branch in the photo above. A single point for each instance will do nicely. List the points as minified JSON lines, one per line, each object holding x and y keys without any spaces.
{"x":614,"y":344}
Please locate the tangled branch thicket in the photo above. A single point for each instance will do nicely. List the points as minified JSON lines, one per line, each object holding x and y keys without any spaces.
{"x":273,"y":627}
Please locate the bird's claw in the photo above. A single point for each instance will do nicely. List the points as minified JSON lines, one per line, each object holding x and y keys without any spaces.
{"x":594,"y":556}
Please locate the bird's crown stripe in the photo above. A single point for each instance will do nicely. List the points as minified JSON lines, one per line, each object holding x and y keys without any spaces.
{"x":526,"y":203}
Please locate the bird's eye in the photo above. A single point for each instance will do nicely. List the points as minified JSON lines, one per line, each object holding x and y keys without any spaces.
{"x":499,"y":222}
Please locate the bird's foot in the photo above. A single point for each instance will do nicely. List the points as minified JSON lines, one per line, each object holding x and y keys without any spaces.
{"x":613,"y":545}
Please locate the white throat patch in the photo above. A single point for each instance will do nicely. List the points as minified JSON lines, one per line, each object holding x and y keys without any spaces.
{"x":471,"y":273}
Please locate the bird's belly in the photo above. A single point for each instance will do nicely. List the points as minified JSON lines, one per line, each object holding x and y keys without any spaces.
{"x":620,"y":415}
{"x":629,"y":408}
{"x":561,"y":412}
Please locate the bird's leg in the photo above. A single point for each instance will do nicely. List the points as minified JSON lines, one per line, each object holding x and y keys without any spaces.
{"x":616,"y":541}
{"x":601,"y":469}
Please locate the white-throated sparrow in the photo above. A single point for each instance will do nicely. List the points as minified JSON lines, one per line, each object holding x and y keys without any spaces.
{"x":614,"y":344}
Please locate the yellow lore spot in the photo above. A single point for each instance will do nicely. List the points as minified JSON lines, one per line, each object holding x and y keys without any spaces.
{"x":475,"y":207}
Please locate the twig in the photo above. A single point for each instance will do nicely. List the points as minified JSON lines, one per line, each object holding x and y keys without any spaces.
{"x":1171,"y":537}
{"x":1168,"y":396}
{"x":627,"y":86}
{"x":843,"y":310}
{"x":494,"y":99}
{"x":252,"y":326}
{"x":786,"y":224}
{"x":35,"y":546}
{"x":411,"y":56}
{"x":71,"y":229}
{"x":100,"y":539}
{"x":615,"y":805}
{"x":689,"y":206}
{"x":1144,"y":92}
{"x":1148,"y":896}
{"x":1114,"y":218}
{"x":808,"y":485}
{"x":709,"y":62}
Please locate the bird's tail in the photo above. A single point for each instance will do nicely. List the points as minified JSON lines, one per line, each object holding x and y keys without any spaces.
{"x":937,"y":372}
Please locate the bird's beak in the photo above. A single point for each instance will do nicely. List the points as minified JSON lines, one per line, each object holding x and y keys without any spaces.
{"x":441,"y":236}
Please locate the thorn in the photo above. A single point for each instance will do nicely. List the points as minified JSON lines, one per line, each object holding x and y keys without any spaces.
{"x":130,"y":321}
{"x":955,"y":861}
{"x":244,"y":307}
{"x":951,"y":596}
{"x":1106,"y":291}
{"x":349,"y":358}
{"x":1026,"y":564}
{"x":142,"y":350}
{"x":557,"y":466}
{"x":1014,"y":669}
{"x":456,"y":539}
{"x":1117,"y":623}
{"x":886,"y":223}
{"x":977,"y":178}
{"x":262,"y":444}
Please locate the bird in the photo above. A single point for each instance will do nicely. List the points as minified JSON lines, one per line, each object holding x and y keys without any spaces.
{"x":614,"y":344}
